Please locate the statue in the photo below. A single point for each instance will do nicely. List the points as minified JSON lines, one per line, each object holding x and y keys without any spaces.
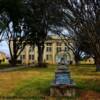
{"x":62,"y":77}
{"x":61,"y":59}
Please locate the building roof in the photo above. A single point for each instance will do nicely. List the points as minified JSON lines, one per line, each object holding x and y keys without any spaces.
{"x":2,"y":53}
{"x":56,"y":37}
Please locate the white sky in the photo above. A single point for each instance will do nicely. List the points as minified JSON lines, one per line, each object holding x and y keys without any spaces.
{"x":4,"y":47}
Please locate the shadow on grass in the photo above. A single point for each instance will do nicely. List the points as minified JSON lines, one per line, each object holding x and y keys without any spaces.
{"x":33,"y":87}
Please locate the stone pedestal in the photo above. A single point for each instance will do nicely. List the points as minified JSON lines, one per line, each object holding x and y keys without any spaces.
{"x":62,"y":90}
{"x":62,"y":85}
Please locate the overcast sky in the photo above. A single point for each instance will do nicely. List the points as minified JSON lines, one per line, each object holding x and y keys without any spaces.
{"x":4,"y":47}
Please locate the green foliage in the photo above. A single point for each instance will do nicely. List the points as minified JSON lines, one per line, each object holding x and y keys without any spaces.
{"x":84,"y":28}
{"x":41,"y":16}
{"x":12,"y":27}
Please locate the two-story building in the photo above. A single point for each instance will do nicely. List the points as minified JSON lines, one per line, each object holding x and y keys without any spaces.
{"x":53,"y":46}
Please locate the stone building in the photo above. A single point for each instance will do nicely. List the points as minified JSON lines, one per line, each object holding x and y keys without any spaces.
{"x":53,"y":46}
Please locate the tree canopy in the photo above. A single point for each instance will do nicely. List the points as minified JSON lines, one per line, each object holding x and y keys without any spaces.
{"x":29,"y":21}
{"x":84,"y":25}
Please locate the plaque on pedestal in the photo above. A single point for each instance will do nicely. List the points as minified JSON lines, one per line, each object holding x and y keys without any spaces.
{"x":61,"y":79}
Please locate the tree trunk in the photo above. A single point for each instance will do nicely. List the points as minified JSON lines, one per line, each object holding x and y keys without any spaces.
{"x":76,"y":58}
{"x":97,"y":61}
{"x":40,"y":55}
{"x":13,"y":61}
{"x":76,"y":61}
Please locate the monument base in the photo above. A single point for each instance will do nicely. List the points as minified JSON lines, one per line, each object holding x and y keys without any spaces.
{"x":62,"y":84}
{"x":63,"y":90}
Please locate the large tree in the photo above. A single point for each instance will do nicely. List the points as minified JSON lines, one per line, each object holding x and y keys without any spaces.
{"x":43,"y":15}
{"x":12,"y":14}
{"x":83,"y":20}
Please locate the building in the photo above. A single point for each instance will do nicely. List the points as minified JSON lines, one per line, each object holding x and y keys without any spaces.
{"x":3,"y":58}
{"x":53,"y":47}
{"x":89,"y":60}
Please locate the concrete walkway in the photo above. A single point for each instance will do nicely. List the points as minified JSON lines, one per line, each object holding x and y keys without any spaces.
{"x":15,"y":68}
{"x":11,"y":69}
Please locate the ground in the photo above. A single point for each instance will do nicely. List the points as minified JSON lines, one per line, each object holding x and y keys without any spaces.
{"x":36,"y":81}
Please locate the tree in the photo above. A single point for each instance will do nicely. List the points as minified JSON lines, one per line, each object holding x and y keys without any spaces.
{"x":83,"y":20}
{"x":70,"y":42}
{"x":43,"y":14}
{"x":12,"y":13}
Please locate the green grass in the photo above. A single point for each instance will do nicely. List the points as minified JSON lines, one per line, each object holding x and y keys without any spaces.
{"x":36,"y":81}
{"x":4,"y":66}
{"x":86,"y":77}
{"x":34,"y":86}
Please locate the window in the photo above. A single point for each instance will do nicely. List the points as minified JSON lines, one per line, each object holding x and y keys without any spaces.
{"x":48,"y":57}
{"x":58,"y":43}
{"x":58,"y":49}
{"x":49,"y":44}
{"x":23,"y":57}
{"x":48,"y":49}
{"x":31,"y":57}
{"x":89,"y":60}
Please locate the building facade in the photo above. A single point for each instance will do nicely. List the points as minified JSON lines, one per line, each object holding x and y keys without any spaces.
{"x":53,"y":46}
{"x":3,"y":58}
{"x":89,"y":60}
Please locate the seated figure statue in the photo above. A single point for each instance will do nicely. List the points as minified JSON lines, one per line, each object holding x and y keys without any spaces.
{"x":63,"y":61}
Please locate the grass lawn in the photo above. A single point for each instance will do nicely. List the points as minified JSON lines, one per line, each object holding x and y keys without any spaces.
{"x":36,"y":81}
